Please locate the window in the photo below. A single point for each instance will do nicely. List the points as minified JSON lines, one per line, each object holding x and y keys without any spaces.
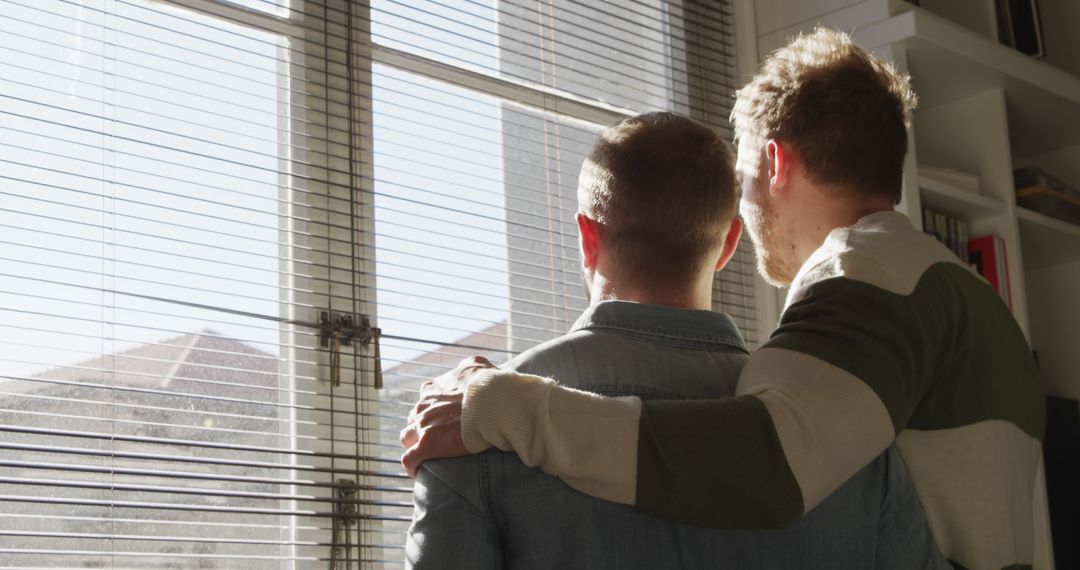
{"x":189,"y":184}
{"x":159,"y":229}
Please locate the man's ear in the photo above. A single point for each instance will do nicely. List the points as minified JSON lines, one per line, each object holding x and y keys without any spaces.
{"x":588,"y":240}
{"x":731,"y":242}
{"x":778,"y":161}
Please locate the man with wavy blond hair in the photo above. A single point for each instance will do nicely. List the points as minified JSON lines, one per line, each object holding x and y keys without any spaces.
{"x":886,"y":337}
{"x":656,"y":221}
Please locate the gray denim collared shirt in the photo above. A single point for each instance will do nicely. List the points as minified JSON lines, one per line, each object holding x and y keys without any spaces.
{"x":491,"y":511}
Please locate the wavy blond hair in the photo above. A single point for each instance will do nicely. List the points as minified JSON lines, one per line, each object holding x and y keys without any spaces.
{"x":844,"y":111}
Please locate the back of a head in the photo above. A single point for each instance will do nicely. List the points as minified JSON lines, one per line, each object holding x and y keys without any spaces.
{"x":663,"y":189}
{"x":844,"y":111}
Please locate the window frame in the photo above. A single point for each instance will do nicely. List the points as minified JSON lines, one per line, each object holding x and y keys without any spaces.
{"x":308,"y":177}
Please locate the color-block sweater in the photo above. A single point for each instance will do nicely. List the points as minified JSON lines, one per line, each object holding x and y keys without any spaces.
{"x":886,"y":336}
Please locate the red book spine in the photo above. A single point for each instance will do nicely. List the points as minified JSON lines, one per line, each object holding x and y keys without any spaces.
{"x":982,"y":255}
{"x":1005,"y":270}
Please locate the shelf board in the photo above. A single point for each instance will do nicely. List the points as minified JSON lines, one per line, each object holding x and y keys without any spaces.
{"x":1045,"y":240}
{"x":948,"y":62}
{"x":938,"y":195}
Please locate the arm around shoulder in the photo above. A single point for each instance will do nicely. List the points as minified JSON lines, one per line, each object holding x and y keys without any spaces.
{"x":587,"y":440}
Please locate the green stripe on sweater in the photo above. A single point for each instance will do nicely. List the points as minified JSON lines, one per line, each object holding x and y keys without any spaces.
{"x":741,"y":479}
{"x":947,"y":355}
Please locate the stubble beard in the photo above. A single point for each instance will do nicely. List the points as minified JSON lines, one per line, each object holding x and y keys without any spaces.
{"x":773,"y":248}
{"x":586,"y":287}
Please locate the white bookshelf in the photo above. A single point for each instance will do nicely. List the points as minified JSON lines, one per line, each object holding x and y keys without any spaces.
{"x":985,"y":109}
{"x":958,"y":202}
{"x":949,"y":62}
{"x":1047,"y":241}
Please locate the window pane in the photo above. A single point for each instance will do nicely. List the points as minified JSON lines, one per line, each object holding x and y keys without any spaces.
{"x":276,"y":7}
{"x":459,"y":33}
{"x":475,"y":232}
{"x":141,"y":183}
{"x":618,"y":53}
{"x":440,"y":228}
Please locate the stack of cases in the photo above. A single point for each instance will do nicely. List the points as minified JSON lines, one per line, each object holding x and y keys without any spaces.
{"x":985,"y":255}
{"x":952,"y":232}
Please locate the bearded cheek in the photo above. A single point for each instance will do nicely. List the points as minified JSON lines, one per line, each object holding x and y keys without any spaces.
{"x":774,"y":261}
{"x":752,"y":218}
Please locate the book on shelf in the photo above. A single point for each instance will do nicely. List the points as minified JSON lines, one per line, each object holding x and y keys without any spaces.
{"x":959,"y":180}
{"x":990,"y":259}
{"x":1028,"y":176}
{"x":964,"y":240}
{"x":1019,"y":26}
{"x":941,"y":226}
{"x":949,"y":230}
{"x":1042,"y":193}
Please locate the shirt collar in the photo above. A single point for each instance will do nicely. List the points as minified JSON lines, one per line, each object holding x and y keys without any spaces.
{"x":836,"y":242}
{"x":659,"y":323}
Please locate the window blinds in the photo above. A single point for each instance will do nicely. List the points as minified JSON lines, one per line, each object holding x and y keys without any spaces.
{"x":475,"y":180}
{"x":189,"y":185}
{"x":180,"y":202}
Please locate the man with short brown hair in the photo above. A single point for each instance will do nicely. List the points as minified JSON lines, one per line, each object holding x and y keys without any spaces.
{"x":661,"y":190}
{"x":886,"y":336}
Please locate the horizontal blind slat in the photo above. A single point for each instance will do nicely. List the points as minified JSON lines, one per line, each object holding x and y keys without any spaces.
{"x":435,"y":200}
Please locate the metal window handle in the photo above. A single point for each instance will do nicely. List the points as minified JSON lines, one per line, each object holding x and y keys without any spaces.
{"x":337,"y":330}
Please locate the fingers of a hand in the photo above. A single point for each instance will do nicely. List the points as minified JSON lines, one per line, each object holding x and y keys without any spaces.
{"x":420,"y":407}
{"x":475,"y":361}
{"x":447,"y":383}
{"x":435,"y":400}
{"x":413,"y":424}
{"x":456,"y":379}
{"x":440,"y":440}
{"x":409,"y":435}
{"x":469,"y":366}
{"x":429,"y":412}
{"x":411,"y":461}
{"x":433,"y":432}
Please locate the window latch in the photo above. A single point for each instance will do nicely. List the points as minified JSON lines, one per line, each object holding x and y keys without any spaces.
{"x":340,"y":329}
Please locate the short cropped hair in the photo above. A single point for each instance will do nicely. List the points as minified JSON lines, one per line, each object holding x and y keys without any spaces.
{"x":844,"y":111}
{"x":662,"y":187}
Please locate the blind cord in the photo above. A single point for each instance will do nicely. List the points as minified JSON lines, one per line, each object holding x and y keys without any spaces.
{"x":345,"y":513}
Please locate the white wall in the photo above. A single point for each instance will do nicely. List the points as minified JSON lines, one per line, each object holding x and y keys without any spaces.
{"x":779,"y":20}
{"x":1054,"y":304}
{"x":1061,"y":24}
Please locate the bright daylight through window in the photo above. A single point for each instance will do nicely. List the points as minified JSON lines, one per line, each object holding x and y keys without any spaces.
{"x":189,"y":185}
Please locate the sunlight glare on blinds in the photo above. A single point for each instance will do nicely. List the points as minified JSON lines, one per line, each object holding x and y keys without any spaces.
{"x":161,"y":402}
{"x":186,"y":186}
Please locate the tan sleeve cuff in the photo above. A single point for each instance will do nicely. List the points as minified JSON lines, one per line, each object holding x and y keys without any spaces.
{"x":587,"y":440}
{"x":502,"y":404}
